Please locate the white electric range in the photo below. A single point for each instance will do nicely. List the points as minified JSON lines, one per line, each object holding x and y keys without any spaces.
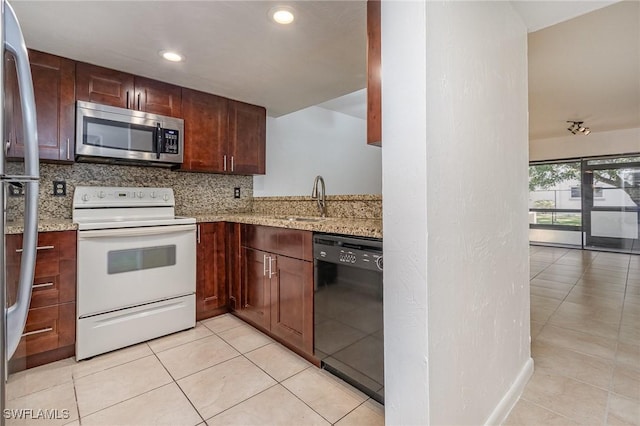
{"x":136,"y":267}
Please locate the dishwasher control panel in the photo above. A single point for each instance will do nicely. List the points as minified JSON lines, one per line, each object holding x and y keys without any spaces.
{"x":356,"y":252}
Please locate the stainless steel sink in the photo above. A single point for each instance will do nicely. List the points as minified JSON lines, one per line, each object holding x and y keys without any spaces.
{"x":302,"y":219}
{"x":306,"y":219}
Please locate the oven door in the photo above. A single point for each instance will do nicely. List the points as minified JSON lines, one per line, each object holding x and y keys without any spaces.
{"x":120,"y":268}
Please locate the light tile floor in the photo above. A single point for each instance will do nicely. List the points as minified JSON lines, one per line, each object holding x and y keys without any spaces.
{"x":585,"y":328}
{"x":222,"y":372}
{"x":585,"y":331}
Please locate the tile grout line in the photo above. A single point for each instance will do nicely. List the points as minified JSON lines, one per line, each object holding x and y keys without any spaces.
{"x":615,"y":355}
{"x":280,"y":382}
{"x":303,"y":401}
{"x":180,"y":388}
{"x":358,"y":406}
{"x":241,"y":402}
{"x":113,"y":366}
{"x":613,"y":362}
{"x":240,"y":354}
{"x":550,"y":410}
{"x":75,"y":395}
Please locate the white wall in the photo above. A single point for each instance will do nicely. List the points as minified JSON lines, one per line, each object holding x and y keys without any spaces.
{"x":455,"y":213}
{"x":404,"y":164}
{"x":317,"y":141}
{"x":575,"y":146}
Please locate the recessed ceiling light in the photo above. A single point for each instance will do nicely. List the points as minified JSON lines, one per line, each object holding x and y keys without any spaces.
{"x":282,"y":15}
{"x":171,"y":56}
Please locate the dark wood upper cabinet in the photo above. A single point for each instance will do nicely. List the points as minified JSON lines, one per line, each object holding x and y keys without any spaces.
{"x":157,"y":97}
{"x":104,"y":86}
{"x":222,"y":135}
{"x":115,"y":88}
{"x":247,"y":136}
{"x":205,"y":128}
{"x":374,"y":80}
{"x":54,"y":90}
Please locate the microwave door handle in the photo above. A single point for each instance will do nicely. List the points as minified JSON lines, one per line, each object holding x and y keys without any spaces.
{"x":158,"y":141}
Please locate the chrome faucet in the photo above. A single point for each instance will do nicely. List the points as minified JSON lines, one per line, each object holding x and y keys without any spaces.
{"x":320,"y":197}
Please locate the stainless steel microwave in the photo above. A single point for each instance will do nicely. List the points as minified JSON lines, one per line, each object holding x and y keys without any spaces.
{"x":110,"y":134}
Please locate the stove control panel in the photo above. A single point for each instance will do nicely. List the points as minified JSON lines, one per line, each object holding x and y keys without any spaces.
{"x":102,"y":196}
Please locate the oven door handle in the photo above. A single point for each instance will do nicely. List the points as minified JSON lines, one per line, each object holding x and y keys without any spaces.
{"x":136,"y":232}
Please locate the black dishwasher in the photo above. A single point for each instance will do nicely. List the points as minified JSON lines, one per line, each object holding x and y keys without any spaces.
{"x":348,"y":319}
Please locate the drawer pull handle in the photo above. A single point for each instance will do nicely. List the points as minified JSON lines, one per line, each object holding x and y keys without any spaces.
{"x":42,"y":330}
{"x":38,"y":248}
{"x":42,"y":285}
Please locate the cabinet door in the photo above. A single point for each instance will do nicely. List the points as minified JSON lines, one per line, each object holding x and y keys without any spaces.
{"x":54,"y":90}
{"x":255,"y":287}
{"x":374,"y":78}
{"x":104,"y":86}
{"x":211,"y":291}
{"x":292,"y":301}
{"x":157,"y":97}
{"x":234,"y":264}
{"x":205,"y":128}
{"x":247,"y":138}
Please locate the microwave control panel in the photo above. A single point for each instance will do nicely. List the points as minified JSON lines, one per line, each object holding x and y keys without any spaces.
{"x":170,"y":139}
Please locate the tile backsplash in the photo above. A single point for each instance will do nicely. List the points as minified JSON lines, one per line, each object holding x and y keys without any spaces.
{"x":194,"y":192}
{"x":348,"y":206}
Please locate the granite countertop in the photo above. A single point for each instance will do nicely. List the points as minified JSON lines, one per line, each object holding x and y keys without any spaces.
{"x":334,"y":225}
{"x":44,"y":225}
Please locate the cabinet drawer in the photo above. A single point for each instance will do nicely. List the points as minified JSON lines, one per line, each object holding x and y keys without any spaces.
{"x":287,"y":242}
{"x":48,"y":328}
{"x":48,"y":250}
{"x":55,"y":271}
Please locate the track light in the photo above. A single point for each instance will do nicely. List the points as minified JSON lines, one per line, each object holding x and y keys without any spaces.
{"x":576,"y":127}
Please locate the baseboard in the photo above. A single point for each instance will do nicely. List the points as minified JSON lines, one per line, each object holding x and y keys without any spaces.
{"x":509,"y":400}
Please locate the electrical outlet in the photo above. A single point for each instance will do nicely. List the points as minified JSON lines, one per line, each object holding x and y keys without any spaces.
{"x":59,"y":188}
{"x":236,"y":192}
{"x":15,"y":189}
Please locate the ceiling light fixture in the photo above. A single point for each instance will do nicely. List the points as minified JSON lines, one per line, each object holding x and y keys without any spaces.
{"x":282,"y":15}
{"x":576,"y":127}
{"x":172,"y":56}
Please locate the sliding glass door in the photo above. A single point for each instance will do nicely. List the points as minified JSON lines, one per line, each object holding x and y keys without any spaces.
{"x":610,"y":201}
{"x":592,"y":203}
{"x":555,"y":208}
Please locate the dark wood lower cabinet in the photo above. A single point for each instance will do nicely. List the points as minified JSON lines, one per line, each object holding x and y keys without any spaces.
{"x":255,"y":287}
{"x":211,"y":275}
{"x":292,"y":302}
{"x":276,"y":290}
{"x":47,"y":329}
{"x":50,"y":332}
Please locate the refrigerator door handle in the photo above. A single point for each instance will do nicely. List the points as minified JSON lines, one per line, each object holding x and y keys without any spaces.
{"x":17,"y":314}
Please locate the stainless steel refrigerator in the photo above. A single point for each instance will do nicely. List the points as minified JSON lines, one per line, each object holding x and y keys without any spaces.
{"x":13,"y":320}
